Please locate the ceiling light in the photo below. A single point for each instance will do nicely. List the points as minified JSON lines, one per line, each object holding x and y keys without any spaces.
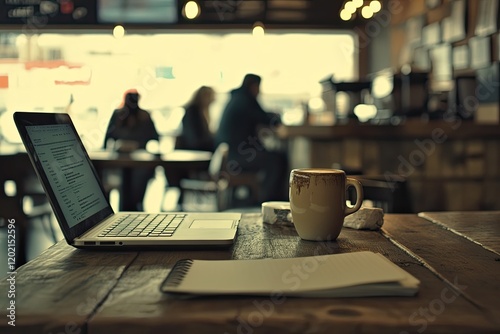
{"x":357,"y":3}
{"x":376,"y":6}
{"x":258,"y":29}
{"x":191,"y":10}
{"x":345,"y":15}
{"x":349,"y":7}
{"x":367,"y":12}
{"x":118,"y":31}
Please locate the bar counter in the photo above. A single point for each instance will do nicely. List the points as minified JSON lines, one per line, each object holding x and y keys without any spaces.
{"x":448,"y":164}
{"x":409,"y":129}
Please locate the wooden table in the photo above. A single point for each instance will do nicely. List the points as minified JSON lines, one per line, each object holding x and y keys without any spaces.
{"x":174,"y":159}
{"x":73,"y":291}
{"x":174,"y":163}
{"x":16,"y":167}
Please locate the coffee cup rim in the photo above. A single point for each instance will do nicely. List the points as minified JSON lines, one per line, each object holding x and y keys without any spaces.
{"x":315,"y":171}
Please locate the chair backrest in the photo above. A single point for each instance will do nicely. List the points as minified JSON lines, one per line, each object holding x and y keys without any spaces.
{"x":218,"y":161}
{"x":390,"y":195}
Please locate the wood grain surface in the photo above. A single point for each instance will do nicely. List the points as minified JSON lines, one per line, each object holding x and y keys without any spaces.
{"x":73,"y":291}
{"x":482,"y":227}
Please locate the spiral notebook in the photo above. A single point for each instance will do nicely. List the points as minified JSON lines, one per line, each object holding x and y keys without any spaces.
{"x":355,"y":274}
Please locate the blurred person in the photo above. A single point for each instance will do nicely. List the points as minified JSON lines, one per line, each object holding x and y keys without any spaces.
{"x":239,"y":125}
{"x":196,"y":134}
{"x":132,"y":125}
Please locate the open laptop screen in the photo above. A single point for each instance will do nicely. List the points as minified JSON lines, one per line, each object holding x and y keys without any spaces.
{"x":70,"y":176}
{"x":65,"y":171}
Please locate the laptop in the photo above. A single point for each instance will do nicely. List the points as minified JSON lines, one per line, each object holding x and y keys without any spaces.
{"x":81,"y":208}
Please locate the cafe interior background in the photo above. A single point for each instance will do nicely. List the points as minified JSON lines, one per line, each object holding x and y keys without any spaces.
{"x":359,"y":84}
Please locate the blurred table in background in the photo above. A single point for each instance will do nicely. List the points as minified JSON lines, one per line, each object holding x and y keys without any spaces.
{"x":175,"y":163}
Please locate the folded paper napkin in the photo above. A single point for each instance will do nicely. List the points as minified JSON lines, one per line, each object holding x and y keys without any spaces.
{"x":363,"y":219}
{"x":276,"y":213}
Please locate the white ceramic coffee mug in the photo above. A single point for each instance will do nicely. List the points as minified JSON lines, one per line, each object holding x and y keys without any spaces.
{"x":318,"y":202}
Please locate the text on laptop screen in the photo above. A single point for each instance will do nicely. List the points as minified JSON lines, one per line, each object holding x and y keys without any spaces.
{"x":71,"y":177}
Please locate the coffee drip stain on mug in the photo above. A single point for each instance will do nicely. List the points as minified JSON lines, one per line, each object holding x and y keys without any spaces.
{"x":303,"y":178}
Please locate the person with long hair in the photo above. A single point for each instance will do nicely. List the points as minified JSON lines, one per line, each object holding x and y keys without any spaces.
{"x":133,"y":125}
{"x":196,"y":134}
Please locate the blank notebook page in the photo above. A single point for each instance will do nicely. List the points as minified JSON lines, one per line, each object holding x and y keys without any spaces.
{"x":301,"y":274}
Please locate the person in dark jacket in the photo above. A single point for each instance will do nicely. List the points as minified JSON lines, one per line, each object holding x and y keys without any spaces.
{"x":132,"y":125}
{"x":241,"y":121}
{"x":196,"y":134}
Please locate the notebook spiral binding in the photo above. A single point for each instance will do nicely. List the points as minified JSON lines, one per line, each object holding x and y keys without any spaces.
{"x":178,"y":272}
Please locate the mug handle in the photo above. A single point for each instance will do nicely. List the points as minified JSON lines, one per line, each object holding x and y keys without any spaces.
{"x":359,"y":195}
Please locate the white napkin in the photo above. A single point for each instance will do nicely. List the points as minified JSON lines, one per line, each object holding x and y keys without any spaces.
{"x":365,"y":219}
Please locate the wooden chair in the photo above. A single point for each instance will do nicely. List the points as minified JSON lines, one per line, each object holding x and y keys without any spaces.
{"x":389,"y":194}
{"x":208,"y":193}
{"x":245,"y":181}
{"x":218,"y":189}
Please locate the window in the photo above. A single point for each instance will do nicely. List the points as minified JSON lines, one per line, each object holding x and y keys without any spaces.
{"x":88,"y":73}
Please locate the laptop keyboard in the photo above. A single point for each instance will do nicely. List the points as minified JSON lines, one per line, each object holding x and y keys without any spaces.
{"x":144,"y":225}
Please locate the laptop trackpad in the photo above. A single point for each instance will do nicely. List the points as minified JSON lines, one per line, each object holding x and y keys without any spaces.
{"x":212,"y":223}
